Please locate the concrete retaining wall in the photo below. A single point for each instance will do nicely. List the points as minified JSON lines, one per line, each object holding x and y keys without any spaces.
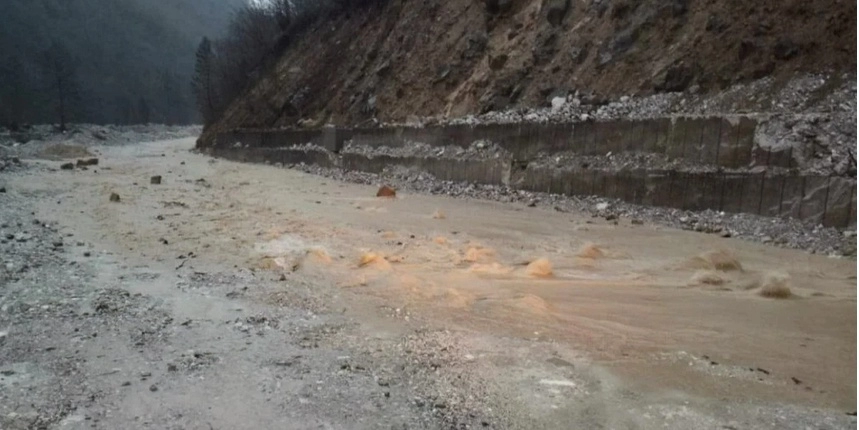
{"x":715,"y":141}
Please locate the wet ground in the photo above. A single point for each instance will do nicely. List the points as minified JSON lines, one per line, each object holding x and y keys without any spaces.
{"x":246,"y":296}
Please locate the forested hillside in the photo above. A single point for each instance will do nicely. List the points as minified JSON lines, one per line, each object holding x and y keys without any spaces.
{"x":104,"y":61}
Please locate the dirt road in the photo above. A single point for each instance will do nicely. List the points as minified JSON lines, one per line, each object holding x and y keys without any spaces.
{"x":235,"y":296}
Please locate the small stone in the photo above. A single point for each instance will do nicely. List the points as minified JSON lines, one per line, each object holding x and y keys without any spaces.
{"x":2,"y":189}
{"x":610,"y":217}
{"x":155,"y":180}
{"x":153,"y":388}
{"x":87,"y":253}
{"x":126,"y":383}
{"x":386,"y":191}
{"x":67,"y":166}
{"x":637,"y":222}
{"x":114,"y":197}
{"x":3,"y":336}
{"x":172,"y":367}
{"x":58,"y":244}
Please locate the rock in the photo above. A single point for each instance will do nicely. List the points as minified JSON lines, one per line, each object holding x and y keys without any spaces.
{"x":67,"y":166}
{"x":637,"y":222}
{"x":578,"y":55}
{"x":624,"y":99}
{"x":715,"y":24}
{"x":601,"y":206}
{"x":153,"y":388}
{"x":386,"y":191}
{"x":99,"y":135}
{"x":88,"y":162}
{"x":677,"y":78}
{"x":383,"y":68}
{"x":58,"y":244}
{"x":155,"y":180}
{"x":556,"y":10}
{"x":785,"y":49}
{"x":497,"y":6}
{"x":3,"y":336}
{"x":87,"y":253}
{"x":114,"y":197}
{"x":442,"y":73}
{"x":558,"y":103}
{"x":2,"y":189}
{"x":747,"y":47}
{"x":497,"y":62}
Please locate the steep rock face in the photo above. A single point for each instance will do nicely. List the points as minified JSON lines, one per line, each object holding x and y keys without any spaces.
{"x":407,"y":58}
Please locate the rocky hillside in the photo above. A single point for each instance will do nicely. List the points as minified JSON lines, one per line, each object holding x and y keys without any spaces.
{"x":398,"y":60}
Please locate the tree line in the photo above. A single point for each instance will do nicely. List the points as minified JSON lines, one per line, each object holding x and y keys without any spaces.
{"x":257,"y":33}
{"x":103,"y":61}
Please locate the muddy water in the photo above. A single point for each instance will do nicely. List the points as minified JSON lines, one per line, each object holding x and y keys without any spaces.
{"x":662,"y":309}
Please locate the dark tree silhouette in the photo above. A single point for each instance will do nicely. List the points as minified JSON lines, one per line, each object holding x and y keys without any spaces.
{"x":59,"y":69}
{"x":143,"y":111}
{"x":16,"y":93}
{"x":203,"y":82}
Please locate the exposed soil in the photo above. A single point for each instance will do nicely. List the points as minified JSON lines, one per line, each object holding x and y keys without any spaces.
{"x":397,"y":61}
{"x":245,"y":296}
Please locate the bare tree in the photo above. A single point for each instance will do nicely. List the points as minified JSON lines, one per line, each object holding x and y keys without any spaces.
{"x":59,"y":68}
{"x":203,"y":83}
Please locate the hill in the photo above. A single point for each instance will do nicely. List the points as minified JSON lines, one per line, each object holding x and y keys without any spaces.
{"x":398,"y":60}
{"x":133,"y":58}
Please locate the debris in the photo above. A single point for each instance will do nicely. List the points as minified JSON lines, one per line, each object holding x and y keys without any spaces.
{"x":114,"y":197}
{"x":386,"y":191}
{"x":155,"y":180}
{"x":67,"y":166}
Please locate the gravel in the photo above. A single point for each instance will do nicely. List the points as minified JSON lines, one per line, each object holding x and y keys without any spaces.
{"x":478,"y":150}
{"x":31,"y":141}
{"x":814,"y":114}
{"x":787,"y":233}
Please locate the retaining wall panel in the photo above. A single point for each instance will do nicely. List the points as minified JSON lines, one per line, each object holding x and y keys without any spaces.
{"x":772,"y":196}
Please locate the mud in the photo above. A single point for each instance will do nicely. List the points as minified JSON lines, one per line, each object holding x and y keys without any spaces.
{"x":173,"y":300}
